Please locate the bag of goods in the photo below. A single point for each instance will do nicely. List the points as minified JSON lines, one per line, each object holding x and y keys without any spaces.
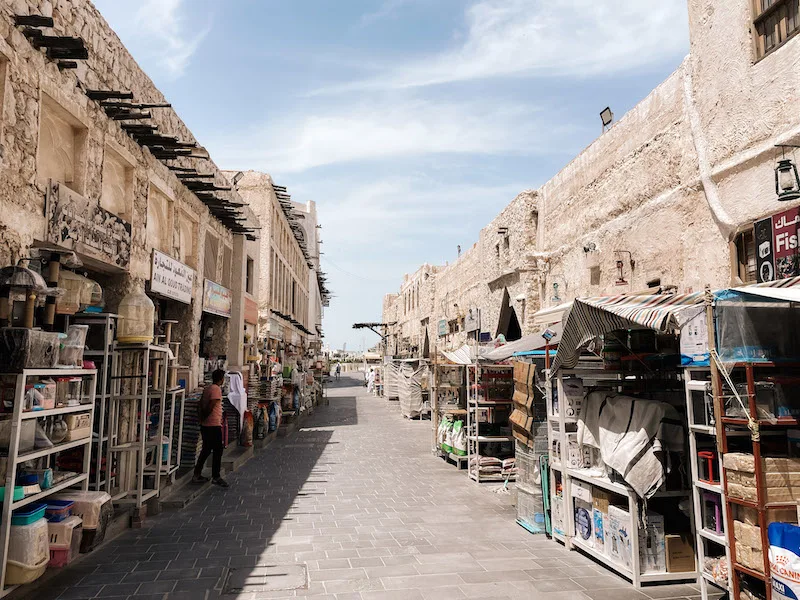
{"x":784,"y":560}
{"x":459,"y":438}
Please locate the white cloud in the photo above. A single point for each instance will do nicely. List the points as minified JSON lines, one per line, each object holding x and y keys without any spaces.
{"x":374,"y":130}
{"x":385,"y":10}
{"x":158,"y":32}
{"x":573,"y":38}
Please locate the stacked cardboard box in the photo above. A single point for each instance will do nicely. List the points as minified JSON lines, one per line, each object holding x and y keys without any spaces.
{"x":529,"y":407}
{"x":781,"y":477}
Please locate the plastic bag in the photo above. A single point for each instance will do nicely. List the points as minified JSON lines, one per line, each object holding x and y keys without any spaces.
{"x":260,"y":428}
{"x":459,"y":438}
{"x":784,"y":560}
{"x":246,"y":438}
{"x":448,"y":438}
{"x":445,"y":425}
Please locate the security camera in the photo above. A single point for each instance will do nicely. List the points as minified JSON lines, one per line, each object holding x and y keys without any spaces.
{"x":520,"y":298}
{"x":590,"y":247}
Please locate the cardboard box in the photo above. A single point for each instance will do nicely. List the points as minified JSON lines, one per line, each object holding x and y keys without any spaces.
{"x":651,"y":544}
{"x":746,"y":534}
{"x":619,"y":529}
{"x":600,"y":499}
{"x":680,"y":554}
{"x":771,"y":480}
{"x":752,"y":558}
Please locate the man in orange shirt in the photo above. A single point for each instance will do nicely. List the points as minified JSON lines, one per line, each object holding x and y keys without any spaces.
{"x":210,"y":408}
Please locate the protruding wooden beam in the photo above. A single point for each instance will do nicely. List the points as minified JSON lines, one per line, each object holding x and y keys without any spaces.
{"x":108,"y":94}
{"x":131,"y":116}
{"x":67,"y":53}
{"x":67,"y":64}
{"x":56,"y":41}
{"x":33,"y":21}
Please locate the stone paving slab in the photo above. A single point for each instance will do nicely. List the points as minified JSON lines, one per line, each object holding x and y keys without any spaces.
{"x":351,"y":507}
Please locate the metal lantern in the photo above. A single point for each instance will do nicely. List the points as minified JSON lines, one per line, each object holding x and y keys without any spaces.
{"x":787,"y":181}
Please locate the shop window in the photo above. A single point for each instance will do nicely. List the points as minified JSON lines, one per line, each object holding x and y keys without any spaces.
{"x":187,"y":236}
{"x":62,"y":144}
{"x":210,"y":257}
{"x":227,"y":267}
{"x":158,"y":225}
{"x":117,"y":193}
{"x":746,"y":264}
{"x":775,"y":22}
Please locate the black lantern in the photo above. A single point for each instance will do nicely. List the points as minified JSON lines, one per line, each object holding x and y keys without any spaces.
{"x":787,"y":181}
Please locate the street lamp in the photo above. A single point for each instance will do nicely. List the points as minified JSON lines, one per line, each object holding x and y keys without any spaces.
{"x":787,"y":181}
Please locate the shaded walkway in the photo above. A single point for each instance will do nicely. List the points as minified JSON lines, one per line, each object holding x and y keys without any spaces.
{"x":353,"y":506}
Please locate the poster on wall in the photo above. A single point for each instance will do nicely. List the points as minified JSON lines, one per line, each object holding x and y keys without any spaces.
{"x":171,"y":278}
{"x":217,"y":299}
{"x":79,"y":224}
{"x":776,"y":241}
{"x":472,"y":320}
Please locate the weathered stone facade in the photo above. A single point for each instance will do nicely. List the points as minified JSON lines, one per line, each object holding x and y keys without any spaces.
{"x":665,"y":191}
{"x":39,"y":102}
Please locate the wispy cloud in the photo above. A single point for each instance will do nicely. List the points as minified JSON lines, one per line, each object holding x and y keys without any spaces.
{"x":395,"y":128}
{"x":572,"y":38}
{"x":387,"y":9}
{"x":164,"y":21}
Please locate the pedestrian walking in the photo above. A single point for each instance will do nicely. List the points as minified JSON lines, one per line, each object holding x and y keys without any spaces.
{"x":210,"y":408}
{"x":338,"y":370}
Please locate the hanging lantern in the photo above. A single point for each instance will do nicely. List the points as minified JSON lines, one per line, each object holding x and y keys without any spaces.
{"x":787,"y":181}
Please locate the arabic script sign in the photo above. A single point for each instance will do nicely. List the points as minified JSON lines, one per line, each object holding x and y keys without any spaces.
{"x":171,"y":278}
{"x":777,"y":251}
{"x":79,"y":224}
{"x":217,"y":299}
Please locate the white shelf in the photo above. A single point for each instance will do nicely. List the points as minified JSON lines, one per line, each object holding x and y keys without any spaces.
{"x":603,"y":558}
{"x":710,"y":535}
{"x":601,"y":482}
{"x":491,"y":438}
{"x":40,"y":414}
{"x":704,"y":429}
{"x":664,"y":577}
{"x":68,"y":371}
{"x":709,"y":487}
{"x":712,"y":581}
{"x":45,"y":493}
{"x":26,"y":456}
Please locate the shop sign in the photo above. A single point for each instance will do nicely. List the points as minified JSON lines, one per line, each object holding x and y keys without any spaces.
{"x":171,"y":278}
{"x":472,"y":321}
{"x":275,"y":329}
{"x":442,"y":328}
{"x":78,"y":224}
{"x":217,"y":299}
{"x":777,"y":251}
{"x":250,"y":311}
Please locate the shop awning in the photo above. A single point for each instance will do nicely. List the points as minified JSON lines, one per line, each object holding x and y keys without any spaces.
{"x":787,"y":290}
{"x":590,"y":318}
{"x":548,"y":316}
{"x":462,"y":356}
{"x":528,"y":343}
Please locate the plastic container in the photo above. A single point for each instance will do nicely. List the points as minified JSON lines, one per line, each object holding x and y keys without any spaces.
{"x":48,"y":394}
{"x":72,"y":349}
{"x":96,"y":510}
{"x":65,"y":540}
{"x":27,"y":434}
{"x":136,"y":318}
{"x":58,"y":510}
{"x":28,"y":515}
{"x":27,"y":479}
{"x":79,"y":426}
{"x":28,"y":552}
{"x":19,"y":493}
{"x":44,"y":477}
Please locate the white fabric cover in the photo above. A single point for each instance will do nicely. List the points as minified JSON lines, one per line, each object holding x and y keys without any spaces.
{"x":237,"y":395}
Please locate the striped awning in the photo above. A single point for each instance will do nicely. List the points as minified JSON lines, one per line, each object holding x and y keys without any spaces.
{"x":590,"y":318}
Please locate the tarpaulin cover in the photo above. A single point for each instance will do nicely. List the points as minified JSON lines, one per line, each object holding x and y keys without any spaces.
{"x":391,"y":375}
{"x":462,"y":356}
{"x":759,"y":322}
{"x":409,"y":383}
{"x":526,"y":344}
{"x":590,"y":318}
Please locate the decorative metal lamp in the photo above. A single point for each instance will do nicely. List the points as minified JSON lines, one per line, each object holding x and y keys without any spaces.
{"x":787,"y":181}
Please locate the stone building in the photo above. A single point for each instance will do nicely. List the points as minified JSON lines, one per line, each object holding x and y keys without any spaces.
{"x":293,"y":291}
{"x":93,"y":160}
{"x":665,"y":200}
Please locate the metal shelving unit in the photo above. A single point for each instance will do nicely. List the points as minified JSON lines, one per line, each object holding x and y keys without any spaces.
{"x":175,"y":399}
{"x":437,"y":411}
{"x":15,"y":458}
{"x":697,"y":380}
{"x":132,"y":389}
{"x":102,"y":359}
{"x":479,"y":397}
{"x":558,"y":424}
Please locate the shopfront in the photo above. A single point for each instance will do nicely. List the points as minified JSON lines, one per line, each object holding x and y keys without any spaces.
{"x":217,"y":307}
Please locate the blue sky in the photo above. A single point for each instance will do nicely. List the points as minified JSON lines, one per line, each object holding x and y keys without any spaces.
{"x":411,"y":123}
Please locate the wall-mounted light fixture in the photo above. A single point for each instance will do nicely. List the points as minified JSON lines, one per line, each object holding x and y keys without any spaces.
{"x":607,"y":117}
{"x":621,"y":265}
{"x":787,"y":180}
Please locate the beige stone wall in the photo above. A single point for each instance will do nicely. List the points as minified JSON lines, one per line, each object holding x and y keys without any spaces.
{"x":665,"y":190}
{"x":27,"y":78}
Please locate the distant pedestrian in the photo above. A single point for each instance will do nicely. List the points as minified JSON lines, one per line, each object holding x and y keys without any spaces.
{"x":210,"y":408}
{"x":338,"y":370}
{"x":371,"y":380}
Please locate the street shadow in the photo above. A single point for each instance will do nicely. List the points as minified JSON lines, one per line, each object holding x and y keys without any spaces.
{"x":226,"y":538}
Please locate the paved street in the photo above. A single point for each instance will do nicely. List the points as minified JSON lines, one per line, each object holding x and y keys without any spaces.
{"x":354,"y":506}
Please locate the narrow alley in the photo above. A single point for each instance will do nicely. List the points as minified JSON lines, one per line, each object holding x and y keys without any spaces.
{"x":353,"y":506}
